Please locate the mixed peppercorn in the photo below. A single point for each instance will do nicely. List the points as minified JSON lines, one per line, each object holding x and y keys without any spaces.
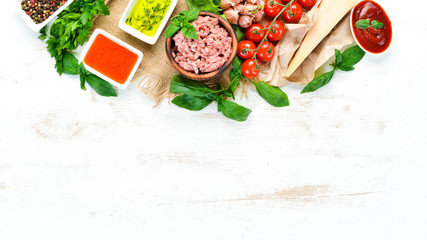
{"x":40,"y":10}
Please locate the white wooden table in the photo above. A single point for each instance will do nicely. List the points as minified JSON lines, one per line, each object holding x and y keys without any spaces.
{"x":346,"y":162}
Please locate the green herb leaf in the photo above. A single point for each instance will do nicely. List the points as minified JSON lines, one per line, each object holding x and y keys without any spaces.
{"x":240,"y":34}
{"x":191,"y":15}
{"x":377,"y":24}
{"x":319,"y":82}
{"x":182,"y":85}
{"x":273,"y":95}
{"x":191,"y":103}
{"x":189,"y":31}
{"x":338,"y":57}
{"x":351,"y":57}
{"x":171,"y":30}
{"x":100,"y":4}
{"x":70,"y":64}
{"x":363,"y":24}
{"x":234,"y":111}
{"x":101,"y":86}
{"x":203,"y":5}
{"x":83,"y":82}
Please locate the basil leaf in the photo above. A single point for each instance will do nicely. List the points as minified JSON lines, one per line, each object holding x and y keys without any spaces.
{"x":203,"y":5}
{"x":377,"y":24}
{"x":351,"y":57}
{"x":338,"y":57}
{"x":233,"y":110}
{"x":319,"y":82}
{"x":191,"y":15}
{"x":240,"y":34}
{"x":70,"y":64}
{"x":273,"y":95}
{"x":189,"y":31}
{"x":101,"y":86}
{"x":362,"y":24}
{"x":182,"y":85}
{"x":237,"y":63}
{"x":191,"y":103}
{"x":83,"y":82}
{"x":171,"y":30}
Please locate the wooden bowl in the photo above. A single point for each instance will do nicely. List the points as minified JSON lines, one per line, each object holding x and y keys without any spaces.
{"x":170,"y":44}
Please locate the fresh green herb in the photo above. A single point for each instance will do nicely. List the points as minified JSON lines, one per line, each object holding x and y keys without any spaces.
{"x":72,"y":28}
{"x":344,"y":62}
{"x":233,"y":110}
{"x":182,"y":22}
{"x":273,"y":95}
{"x":192,"y":103}
{"x":72,"y":67}
{"x":363,"y":24}
{"x":240,"y":34}
{"x":377,"y":24}
{"x":204,"y":5}
{"x":196,"y":96}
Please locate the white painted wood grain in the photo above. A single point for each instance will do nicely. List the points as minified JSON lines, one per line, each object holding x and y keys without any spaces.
{"x":347,"y":162}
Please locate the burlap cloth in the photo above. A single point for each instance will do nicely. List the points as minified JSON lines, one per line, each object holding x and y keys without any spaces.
{"x":155,"y":73}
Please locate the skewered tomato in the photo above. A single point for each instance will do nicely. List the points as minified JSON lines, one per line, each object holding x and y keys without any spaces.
{"x":255,"y":32}
{"x":277,"y":31}
{"x":265,"y":52}
{"x":246,"y":49}
{"x":293,"y":13}
{"x":272,"y":9}
{"x":251,"y":68}
{"x":307,"y":3}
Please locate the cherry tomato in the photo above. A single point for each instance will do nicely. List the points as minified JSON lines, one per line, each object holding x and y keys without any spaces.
{"x":265,"y":52}
{"x":296,"y":15}
{"x":246,"y":49}
{"x":254,"y":33}
{"x":251,"y":68}
{"x":277,"y":31}
{"x":272,"y":9}
{"x":307,"y":3}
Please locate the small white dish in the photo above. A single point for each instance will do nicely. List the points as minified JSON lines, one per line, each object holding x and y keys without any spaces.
{"x":132,"y":31}
{"x":354,"y":36}
{"x":121,"y":43}
{"x":34,"y":26}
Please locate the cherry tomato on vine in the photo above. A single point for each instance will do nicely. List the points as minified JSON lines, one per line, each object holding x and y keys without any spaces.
{"x":296,"y":15}
{"x":307,"y":3}
{"x":251,"y":68}
{"x":254,"y":32}
{"x":277,"y":31}
{"x":272,"y":9}
{"x":246,"y":49}
{"x":265,"y":52}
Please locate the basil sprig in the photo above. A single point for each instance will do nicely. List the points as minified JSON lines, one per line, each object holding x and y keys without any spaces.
{"x":344,"y":62}
{"x":196,"y":95}
{"x":72,"y":67}
{"x":365,"y":24}
{"x":182,"y":22}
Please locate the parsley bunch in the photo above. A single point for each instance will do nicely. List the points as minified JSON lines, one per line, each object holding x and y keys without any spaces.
{"x":72,"y":28}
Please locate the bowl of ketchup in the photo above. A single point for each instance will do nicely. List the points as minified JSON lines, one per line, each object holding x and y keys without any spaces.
{"x":371,"y":27}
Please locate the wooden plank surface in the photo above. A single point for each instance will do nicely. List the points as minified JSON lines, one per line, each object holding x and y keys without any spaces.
{"x":346,"y":162}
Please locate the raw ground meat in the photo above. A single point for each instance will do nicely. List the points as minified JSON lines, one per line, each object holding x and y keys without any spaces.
{"x":206,"y":54}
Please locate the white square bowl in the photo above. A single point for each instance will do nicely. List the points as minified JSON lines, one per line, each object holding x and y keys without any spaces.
{"x":36,"y":27}
{"x":132,"y":31}
{"x":121,"y":43}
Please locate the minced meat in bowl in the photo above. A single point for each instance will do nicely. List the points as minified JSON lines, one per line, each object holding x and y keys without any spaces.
{"x":206,"y":54}
{"x":209,"y":55}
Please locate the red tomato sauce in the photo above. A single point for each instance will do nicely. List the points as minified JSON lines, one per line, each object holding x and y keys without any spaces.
{"x":111,"y":59}
{"x":371,"y":39}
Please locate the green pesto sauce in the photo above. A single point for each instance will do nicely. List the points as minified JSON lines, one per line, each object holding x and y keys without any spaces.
{"x":147,"y":15}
